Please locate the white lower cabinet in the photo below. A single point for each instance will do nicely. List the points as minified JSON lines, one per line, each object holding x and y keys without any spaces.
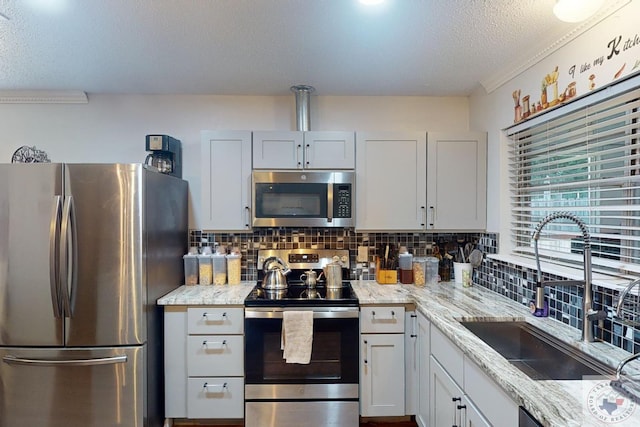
{"x":461,"y":394}
{"x":424,"y":352}
{"x":449,"y":405}
{"x":411,"y":363}
{"x":382,"y":386}
{"x":204,"y":362}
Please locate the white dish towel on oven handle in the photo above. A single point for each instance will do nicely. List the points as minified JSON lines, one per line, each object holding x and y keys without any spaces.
{"x":297,"y":336}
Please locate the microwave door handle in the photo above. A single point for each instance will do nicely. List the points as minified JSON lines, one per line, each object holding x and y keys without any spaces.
{"x":54,"y":247}
{"x":330,"y":203}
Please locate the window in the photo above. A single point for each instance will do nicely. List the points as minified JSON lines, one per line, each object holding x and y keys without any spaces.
{"x":585,"y":162}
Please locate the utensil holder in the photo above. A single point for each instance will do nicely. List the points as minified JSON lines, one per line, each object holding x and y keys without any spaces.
{"x":385,"y":277}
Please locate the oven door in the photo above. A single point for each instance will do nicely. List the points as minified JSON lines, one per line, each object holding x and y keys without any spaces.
{"x":332,"y":372}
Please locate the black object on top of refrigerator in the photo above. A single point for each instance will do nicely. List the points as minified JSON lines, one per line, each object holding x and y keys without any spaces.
{"x":166,"y":154}
{"x":85,"y":251}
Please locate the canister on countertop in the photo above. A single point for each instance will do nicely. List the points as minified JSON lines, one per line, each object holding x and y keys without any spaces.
{"x":405,"y":263}
{"x":234,"y":266}
{"x":219,"y":262}
{"x":205,"y":266}
{"x":191,"y":267}
{"x":419,"y":267}
{"x":431,"y":271}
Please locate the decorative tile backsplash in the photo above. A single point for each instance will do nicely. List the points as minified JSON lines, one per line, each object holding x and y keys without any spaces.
{"x":513,"y":281}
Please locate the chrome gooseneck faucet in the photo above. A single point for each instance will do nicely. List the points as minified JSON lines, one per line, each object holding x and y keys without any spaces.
{"x":588,"y":314}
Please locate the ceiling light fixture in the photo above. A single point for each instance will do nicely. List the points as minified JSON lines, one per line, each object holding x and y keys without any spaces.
{"x":576,"y":10}
{"x":371,"y":2}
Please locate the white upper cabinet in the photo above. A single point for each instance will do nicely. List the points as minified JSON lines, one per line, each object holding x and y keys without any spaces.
{"x":413,"y":181}
{"x":226,"y":180}
{"x":303,"y":150}
{"x":391,"y":181}
{"x":457,"y":181}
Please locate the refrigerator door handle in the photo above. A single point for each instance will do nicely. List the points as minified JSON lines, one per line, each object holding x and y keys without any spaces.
{"x":68,"y":256}
{"x":65,"y":362}
{"x":54,"y":248}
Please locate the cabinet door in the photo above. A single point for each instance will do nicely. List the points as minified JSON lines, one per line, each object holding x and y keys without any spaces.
{"x":411,"y":363}
{"x":445,"y":397}
{"x":175,"y":361}
{"x":226,"y":180}
{"x":329,"y":150}
{"x":381,"y":388}
{"x":391,"y":181}
{"x":424,"y":351}
{"x":472,"y":416}
{"x":278,"y":150}
{"x":457,"y":181}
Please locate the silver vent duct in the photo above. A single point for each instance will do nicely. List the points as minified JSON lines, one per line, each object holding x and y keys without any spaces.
{"x":303,"y":94}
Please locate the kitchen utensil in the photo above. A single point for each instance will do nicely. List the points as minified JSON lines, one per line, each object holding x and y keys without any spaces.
{"x":275,"y":274}
{"x":475,"y":258}
{"x":309,"y":278}
{"x":468,"y":247}
{"x":333,"y":275}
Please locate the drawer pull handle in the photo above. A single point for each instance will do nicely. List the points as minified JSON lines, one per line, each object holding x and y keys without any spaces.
{"x":393,"y":315}
{"x":220,"y":387}
{"x":206,"y":343}
{"x":206,"y":315}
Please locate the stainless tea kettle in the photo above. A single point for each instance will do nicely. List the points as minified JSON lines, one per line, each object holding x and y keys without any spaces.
{"x":275,"y":273}
{"x":333,"y":275}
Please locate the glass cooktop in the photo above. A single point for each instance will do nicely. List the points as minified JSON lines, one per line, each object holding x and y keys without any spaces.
{"x":301,"y":295}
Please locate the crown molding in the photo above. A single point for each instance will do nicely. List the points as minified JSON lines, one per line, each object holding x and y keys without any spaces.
{"x":43,"y":97}
{"x":493,"y":82}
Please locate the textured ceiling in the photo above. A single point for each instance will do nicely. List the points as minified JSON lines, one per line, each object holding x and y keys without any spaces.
{"x":262,"y":47}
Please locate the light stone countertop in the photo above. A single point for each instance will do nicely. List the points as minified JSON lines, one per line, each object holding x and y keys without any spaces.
{"x":208,"y":295}
{"x":553,"y":403}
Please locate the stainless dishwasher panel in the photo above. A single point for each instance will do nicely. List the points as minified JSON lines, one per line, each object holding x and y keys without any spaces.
{"x":98,"y":387}
{"x":525,"y":419}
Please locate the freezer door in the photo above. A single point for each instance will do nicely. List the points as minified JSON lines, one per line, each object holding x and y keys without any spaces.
{"x":30,"y":213}
{"x":72,"y":387}
{"x":104,"y":272}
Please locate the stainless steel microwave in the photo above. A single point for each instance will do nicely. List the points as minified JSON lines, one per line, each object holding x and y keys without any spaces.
{"x":303,"y":199}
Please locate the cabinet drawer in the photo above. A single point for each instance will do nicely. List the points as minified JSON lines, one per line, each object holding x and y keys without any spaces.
{"x":215,"y":397}
{"x":448,"y":354}
{"x":382,"y":319}
{"x":215,"y":320}
{"x":213,"y":355}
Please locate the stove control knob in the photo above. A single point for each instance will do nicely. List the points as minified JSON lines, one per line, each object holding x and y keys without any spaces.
{"x":335,"y":258}
{"x":344,"y":259}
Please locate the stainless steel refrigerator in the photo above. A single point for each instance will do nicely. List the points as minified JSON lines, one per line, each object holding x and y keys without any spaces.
{"x":85,"y":251}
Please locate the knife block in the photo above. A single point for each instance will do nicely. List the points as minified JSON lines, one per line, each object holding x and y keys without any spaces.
{"x":385,"y":277}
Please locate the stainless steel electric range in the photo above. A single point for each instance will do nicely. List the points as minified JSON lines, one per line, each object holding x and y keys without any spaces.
{"x":323,"y":392}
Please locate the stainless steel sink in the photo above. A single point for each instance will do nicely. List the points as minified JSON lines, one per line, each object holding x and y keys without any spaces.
{"x":536,"y":353}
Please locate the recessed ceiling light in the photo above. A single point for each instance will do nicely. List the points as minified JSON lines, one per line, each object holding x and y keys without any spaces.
{"x":576,"y":10}
{"x":370,"y":2}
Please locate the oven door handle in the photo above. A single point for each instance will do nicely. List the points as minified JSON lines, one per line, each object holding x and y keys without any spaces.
{"x":347,"y":313}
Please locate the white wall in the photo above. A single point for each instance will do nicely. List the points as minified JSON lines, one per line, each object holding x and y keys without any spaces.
{"x":495,"y":111}
{"x":112,"y":128}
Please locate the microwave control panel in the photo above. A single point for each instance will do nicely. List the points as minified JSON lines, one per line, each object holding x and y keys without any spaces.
{"x":342,"y":200}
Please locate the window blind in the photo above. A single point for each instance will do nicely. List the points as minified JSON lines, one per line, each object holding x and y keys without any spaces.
{"x":585,"y":162}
